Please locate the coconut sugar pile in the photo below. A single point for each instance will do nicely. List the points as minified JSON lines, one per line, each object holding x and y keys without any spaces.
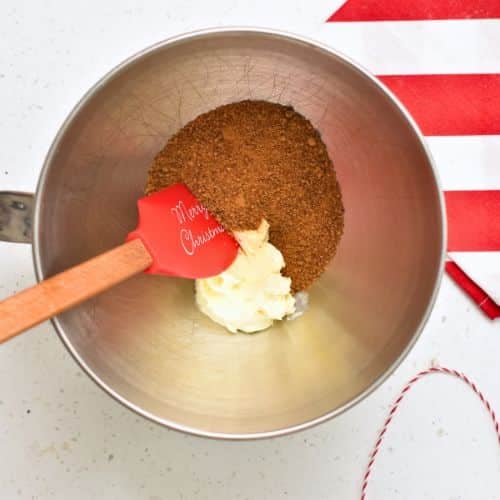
{"x":255,"y":160}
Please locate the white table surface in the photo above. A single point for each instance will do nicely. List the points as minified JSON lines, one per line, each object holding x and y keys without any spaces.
{"x":62,"y":437}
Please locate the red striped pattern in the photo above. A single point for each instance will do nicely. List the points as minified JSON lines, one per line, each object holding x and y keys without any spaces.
{"x":473,"y":221}
{"x":397,"y":402}
{"x":449,"y":104}
{"x":466,"y":104}
{"x":402,"y":10}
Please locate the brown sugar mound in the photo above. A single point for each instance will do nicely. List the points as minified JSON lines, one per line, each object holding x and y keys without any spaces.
{"x":252,"y":160}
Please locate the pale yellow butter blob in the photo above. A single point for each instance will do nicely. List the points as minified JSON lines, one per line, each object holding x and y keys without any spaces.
{"x":251,"y":293}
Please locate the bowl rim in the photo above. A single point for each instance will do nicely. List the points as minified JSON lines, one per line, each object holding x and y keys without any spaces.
{"x":313,"y":44}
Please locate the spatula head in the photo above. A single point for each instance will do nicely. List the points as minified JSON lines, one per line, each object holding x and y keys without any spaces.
{"x":182,"y":237}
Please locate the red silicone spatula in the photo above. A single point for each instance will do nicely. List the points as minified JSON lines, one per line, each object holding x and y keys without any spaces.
{"x":176,"y":236}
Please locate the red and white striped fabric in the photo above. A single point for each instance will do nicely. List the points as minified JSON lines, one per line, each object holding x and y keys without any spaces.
{"x":466,"y":104}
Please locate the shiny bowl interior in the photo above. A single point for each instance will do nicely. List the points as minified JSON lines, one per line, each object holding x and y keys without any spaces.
{"x":144,"y":341}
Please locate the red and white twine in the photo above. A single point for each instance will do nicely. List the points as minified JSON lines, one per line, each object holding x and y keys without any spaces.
{"x":397,"y":402}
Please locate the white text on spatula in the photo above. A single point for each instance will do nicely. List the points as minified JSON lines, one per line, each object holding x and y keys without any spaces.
{"x":183,"y":213}
{"x":191,"y":242}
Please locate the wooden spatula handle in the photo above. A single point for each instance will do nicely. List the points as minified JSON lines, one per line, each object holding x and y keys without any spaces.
{"x":69,"y":288}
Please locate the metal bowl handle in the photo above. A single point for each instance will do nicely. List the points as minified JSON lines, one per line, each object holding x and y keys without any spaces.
{"x":16,"y":210}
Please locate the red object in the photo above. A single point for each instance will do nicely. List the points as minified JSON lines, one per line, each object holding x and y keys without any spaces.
{"x":473,"y":221}
{"x":466,"y":104}
{"x":477,"y":294}
{"x":403,"y":10}
{"x":181,"y":236}
{"x":402,"y":394}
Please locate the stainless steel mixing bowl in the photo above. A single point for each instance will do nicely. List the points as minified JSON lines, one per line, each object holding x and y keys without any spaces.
{"x":144,"y":341}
